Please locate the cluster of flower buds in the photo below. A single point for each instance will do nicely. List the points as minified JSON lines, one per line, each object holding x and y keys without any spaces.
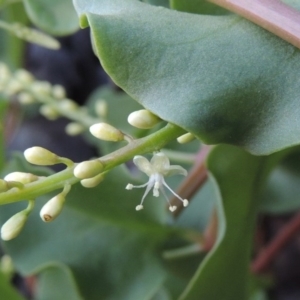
{"x":90,"y":172}
{"x":31,"y":35}
{"x":54,"y":102}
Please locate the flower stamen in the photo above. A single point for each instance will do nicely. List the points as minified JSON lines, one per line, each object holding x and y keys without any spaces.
{"x":156,"y":169}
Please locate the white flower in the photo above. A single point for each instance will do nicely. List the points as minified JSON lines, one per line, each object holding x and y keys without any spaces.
{"x":158,"y":168}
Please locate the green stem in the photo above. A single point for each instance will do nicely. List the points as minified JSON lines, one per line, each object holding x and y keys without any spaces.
{"x":147,"y":144}
{"x":79,"y":115}
{"x":182,"y":252}
{"x":180,"y":157}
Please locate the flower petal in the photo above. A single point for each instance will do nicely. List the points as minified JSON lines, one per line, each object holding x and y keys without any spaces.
{"x":175,"y":170}
{"x":143,"y":164}
{"x":160,"y":163}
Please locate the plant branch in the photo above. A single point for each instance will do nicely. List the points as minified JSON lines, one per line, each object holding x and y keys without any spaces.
{"x":196,"y":178}
{"x":147,"y":144}
{"x":272,"y":15}
{"x":269,"y":253}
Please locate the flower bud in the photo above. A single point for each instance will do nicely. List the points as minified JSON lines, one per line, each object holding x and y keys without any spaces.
{"x":13,"y":87}
{"x":41,"y":87}
{"x":101,"y":108}
{"x":74,"y":128}
{"x":88,"y":169}
{"x":143,"y":119}
{"x":13,"y":226}
{"x":185,"y":138}
{"x":23,"y":76}
{"x":4,"y":73}
{"x":49,"y":112}
{"x":6,"y":266}
{"x":92,"y":182}
{"x":41,"y":156}
{"x":52,"y":208}
{"x":21,"y":177}
{"x":58,"y":91}
{"x":68,"y":105}
{"x":25,"y":98}
{"x":106,"y":132}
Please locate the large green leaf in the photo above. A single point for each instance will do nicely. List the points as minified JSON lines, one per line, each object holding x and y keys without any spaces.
{"x":53,"y":16}
{"x":238,"y":177}
{"x":56,"y":281}
{"x":107,"y":247}
{"x":220,"y":77}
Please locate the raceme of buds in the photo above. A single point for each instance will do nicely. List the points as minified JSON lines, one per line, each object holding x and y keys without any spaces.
{"x":52,"y":208}
{"x":21,"y":177}
{"x":185,"y":138}
{"x":88,"y":169}
{"x":106,"y":132}
{"x":92,"y":182}
{"x":143,"y":119}
{"x":41,"y":156}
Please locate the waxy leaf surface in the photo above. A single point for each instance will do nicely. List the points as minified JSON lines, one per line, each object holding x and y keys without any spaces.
{"x":220,"y":77}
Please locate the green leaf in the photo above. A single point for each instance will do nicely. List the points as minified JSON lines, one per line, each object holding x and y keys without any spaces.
{"x":7,"y":291}
{"x":238,"y":177}
{"x":111,"y":250}
{"x":220,"y":77}
{"x":56,"y":17}
{"x":198,"y":7}
{"x":56,"y":281}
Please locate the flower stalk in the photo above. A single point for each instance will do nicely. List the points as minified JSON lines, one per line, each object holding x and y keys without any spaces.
{"x":56,"y":181}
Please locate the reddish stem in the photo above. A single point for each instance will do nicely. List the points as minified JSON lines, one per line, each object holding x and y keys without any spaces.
{"x":196,"y":178}
{"x":272,"y":15}
{"x":269,"y":253}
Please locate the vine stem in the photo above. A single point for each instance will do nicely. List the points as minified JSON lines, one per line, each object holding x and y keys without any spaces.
{"x":153,"y":142}
{"x":269,"y":253}
{"x":196,"y":178}
{"x":272,"y":15}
